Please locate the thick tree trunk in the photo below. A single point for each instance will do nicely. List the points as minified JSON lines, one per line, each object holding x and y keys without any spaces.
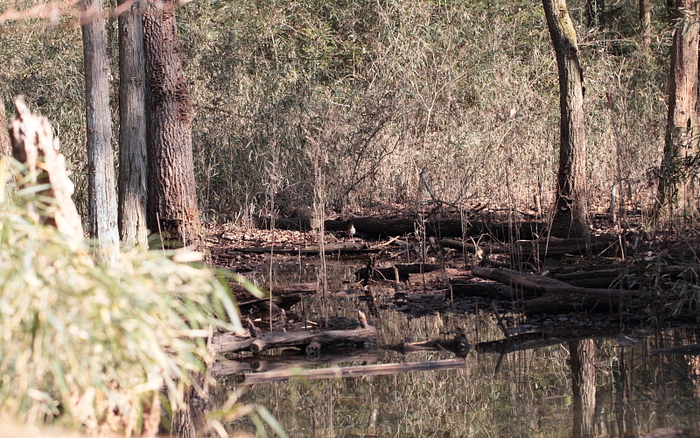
{"x":172,"y":197}
{"x":132,"y":129}
{"x":570,"y":219}
{"x":102,"y":191}
{"x":676,"y":193}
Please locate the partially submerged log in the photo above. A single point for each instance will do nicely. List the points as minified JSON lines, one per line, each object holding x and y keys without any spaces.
{"x":599,"y":299}
{"x":366,"y":334}
{"x":258,"y":364}
{"x":283,"y":296}
{"x":331,"y":248}
{"x":486,"y":289}
{"x":458,"y":345}
{"x":479,"y":249}
{"x":398,"y":272}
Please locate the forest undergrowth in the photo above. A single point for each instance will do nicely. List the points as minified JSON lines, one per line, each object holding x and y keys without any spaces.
{"x":402,"y":102}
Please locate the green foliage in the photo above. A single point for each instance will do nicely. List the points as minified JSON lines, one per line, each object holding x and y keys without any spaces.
{"x":83,"y":344}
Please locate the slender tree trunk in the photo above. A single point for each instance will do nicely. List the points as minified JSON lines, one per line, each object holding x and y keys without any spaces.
{"x":645,"y":21}
{"x":571,"y":217}
{"x":676,"y":194}
{"x":172,"y":197}
{"x":595,"y":13}
{"x":5,"y":145}
{"x":132,"y":129}
{"x":101,"y":186}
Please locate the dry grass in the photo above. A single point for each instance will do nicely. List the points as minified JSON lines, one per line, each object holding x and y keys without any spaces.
{"x":410,"y":100}
{"x":90,"y":346}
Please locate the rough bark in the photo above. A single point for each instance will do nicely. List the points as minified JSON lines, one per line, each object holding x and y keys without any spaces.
{"x":570,"y":219}
{"x":101,"y":184}
{"x":172,"y":198}
{"x":132,"y":129}
{"x":676,"y":194}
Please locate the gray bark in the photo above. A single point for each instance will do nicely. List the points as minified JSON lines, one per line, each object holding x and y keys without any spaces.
{"x":132,"y":129}
{"x":101,"y":185}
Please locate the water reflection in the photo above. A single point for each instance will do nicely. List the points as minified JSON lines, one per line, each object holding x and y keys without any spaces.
{"x":585,"y":387}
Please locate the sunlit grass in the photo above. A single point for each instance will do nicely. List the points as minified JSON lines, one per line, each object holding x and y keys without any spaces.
{"x":86,"y":345}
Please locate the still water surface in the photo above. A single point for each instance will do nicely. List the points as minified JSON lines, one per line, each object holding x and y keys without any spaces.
{"x":618,"y":391}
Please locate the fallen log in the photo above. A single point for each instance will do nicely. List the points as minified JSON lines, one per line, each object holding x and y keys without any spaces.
{"x":332,"y":248}
{"x":354,"y":371}
{"x":484,"y":248}
{"x":490,"y":289}
{"x":283,"y":296}
{"x":458,"y":345}
{"x":567,"y":295}
{"x":554,"y":247}
{"x":375,"y":227}
{"x":600,"y":278}
{"x":366,"y":334}
{"x":401,"y":270}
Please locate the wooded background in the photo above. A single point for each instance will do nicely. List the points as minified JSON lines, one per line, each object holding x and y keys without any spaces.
{"x":395,"y":101}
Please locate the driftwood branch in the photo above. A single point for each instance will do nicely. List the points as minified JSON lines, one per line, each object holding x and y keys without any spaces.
{"x":34,"y":145}
{"x":264,"y":341}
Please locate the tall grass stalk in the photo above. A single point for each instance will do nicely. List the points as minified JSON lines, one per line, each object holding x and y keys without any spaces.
{"x":88,"y":345}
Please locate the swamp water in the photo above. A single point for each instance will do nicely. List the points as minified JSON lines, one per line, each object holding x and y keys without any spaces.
{"x":600,"y":387}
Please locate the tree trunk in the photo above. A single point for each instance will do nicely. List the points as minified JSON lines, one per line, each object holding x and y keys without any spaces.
{"x":172,"y":197}
{"x":102,"y":192}
{"x":132,"y":129}
{"x":5,"y":145}
{"x":676,"y":192}
{"x":570,"y":219}
{"x":645,"y":21}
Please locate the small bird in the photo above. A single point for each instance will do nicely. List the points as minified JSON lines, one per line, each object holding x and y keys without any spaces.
{"x":351,"y":230}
